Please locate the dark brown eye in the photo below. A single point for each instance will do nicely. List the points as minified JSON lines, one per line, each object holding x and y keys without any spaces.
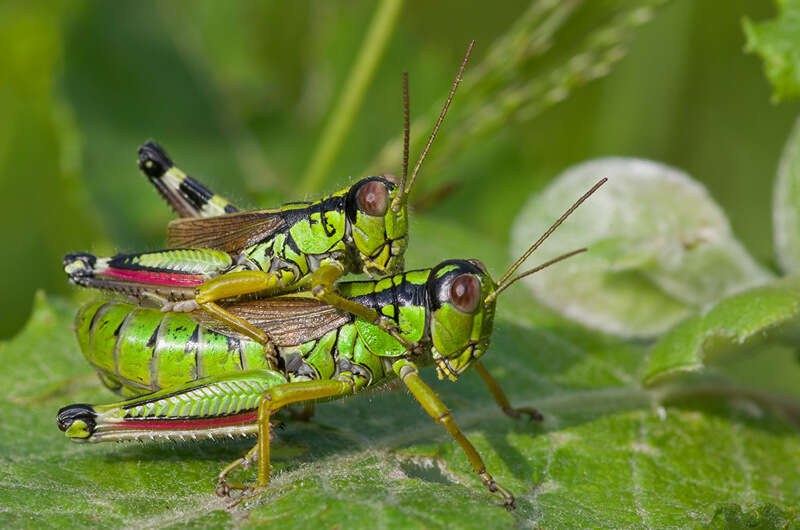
{"x":465,"y":292}
{"x":372,"y":198}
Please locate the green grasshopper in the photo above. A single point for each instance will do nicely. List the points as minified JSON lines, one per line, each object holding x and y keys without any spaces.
{"x":221,"y":253}
{"x":206,"y":380}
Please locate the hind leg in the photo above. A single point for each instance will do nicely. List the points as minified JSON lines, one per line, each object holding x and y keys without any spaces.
{"x":186,"y":195}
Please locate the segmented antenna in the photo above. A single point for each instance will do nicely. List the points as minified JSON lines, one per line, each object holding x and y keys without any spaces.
{"x":440,"y":120}
{"x":502,"y":283}
{"x":544,"y":265}
{"x":406,"y":137}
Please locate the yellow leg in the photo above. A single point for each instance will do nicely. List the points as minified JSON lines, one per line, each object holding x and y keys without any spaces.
{"x":282,"y":395}
{"x":438,"y":411}
{"x":247,"y":282}
{"x":224,"y":486}
{"x":500,"y":396}
{"x":323,"y":289}
{"x":236,"y":284}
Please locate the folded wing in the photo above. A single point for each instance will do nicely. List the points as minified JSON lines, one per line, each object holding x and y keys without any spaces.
{"x":229,"y":233}
{"x":287,"y":320}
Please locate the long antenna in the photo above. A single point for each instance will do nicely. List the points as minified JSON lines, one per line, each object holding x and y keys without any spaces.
{"x":544,"y":265}
{"x":549,"y":231}
{"x":441,"y":118}
{"x":406,"y":136}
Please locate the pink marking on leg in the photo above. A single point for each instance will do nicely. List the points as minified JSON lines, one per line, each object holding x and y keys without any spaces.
{"x":152,"y":277}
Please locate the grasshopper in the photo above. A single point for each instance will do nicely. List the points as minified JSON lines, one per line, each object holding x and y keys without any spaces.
{"x":206,"y":380}
{"x":222,"y":253}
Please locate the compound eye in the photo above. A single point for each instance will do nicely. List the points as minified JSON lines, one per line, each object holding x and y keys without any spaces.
{"x":465,"y":292}
{"x":372,"y":198}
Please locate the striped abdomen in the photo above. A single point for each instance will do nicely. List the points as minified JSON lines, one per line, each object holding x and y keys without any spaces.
{"x":138,"y":350}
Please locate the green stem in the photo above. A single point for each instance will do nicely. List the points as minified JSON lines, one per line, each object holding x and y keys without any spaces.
{"x":340,"y":122}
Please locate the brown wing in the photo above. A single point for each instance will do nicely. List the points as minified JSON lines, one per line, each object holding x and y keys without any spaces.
{"x":288,"y":321}
{"x":228,"y":233}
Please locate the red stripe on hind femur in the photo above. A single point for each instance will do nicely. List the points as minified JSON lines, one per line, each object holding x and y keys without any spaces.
{"x":154,"y":277}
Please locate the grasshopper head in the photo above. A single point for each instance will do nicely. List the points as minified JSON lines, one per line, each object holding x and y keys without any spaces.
{"x":380,"y":232}
{"x":462,"y":298}
{"x":462,"y":314}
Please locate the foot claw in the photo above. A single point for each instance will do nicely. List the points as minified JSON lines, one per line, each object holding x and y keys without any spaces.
{"x":494,"y":487}
{"x":222,"y":489}
{"x":249,"y":493}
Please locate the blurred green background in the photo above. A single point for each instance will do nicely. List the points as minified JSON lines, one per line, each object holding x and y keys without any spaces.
{"x":239,"y":94}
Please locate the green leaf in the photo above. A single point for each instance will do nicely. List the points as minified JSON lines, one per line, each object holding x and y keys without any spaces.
{"x":764,"y":516}
{"x":736,"y":322}
{"x":654,"y":236}
{"x":776,"y":42}
{"x":609,"y":454}
{"x":786,"y":213}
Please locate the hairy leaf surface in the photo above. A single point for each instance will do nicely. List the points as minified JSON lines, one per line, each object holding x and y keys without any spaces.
{"x":608,"y":453}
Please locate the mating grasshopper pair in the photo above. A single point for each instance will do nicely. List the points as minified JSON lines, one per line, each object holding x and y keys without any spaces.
{"x":253,"y":320}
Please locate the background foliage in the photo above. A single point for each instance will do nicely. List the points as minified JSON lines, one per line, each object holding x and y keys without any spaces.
{"x":240,"y":93}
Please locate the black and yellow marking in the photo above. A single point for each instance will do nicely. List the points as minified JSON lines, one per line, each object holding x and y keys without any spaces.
{"x":186,"y":195}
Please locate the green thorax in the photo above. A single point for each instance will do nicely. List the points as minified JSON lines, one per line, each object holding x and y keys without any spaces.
{"x":310,"y":230}
{"x":400,"y":298}
{"x":334,"y":227}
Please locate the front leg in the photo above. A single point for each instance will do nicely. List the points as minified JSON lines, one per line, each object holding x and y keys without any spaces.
{"x":324,"y":289}
{"x":434,"y":406}
{"x":500,"y":396}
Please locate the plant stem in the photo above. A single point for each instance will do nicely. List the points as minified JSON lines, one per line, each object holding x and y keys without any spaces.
{"x":359,"y":78}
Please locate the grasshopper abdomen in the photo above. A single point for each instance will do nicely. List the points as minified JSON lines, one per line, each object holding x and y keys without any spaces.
{"x":137,"y":350}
